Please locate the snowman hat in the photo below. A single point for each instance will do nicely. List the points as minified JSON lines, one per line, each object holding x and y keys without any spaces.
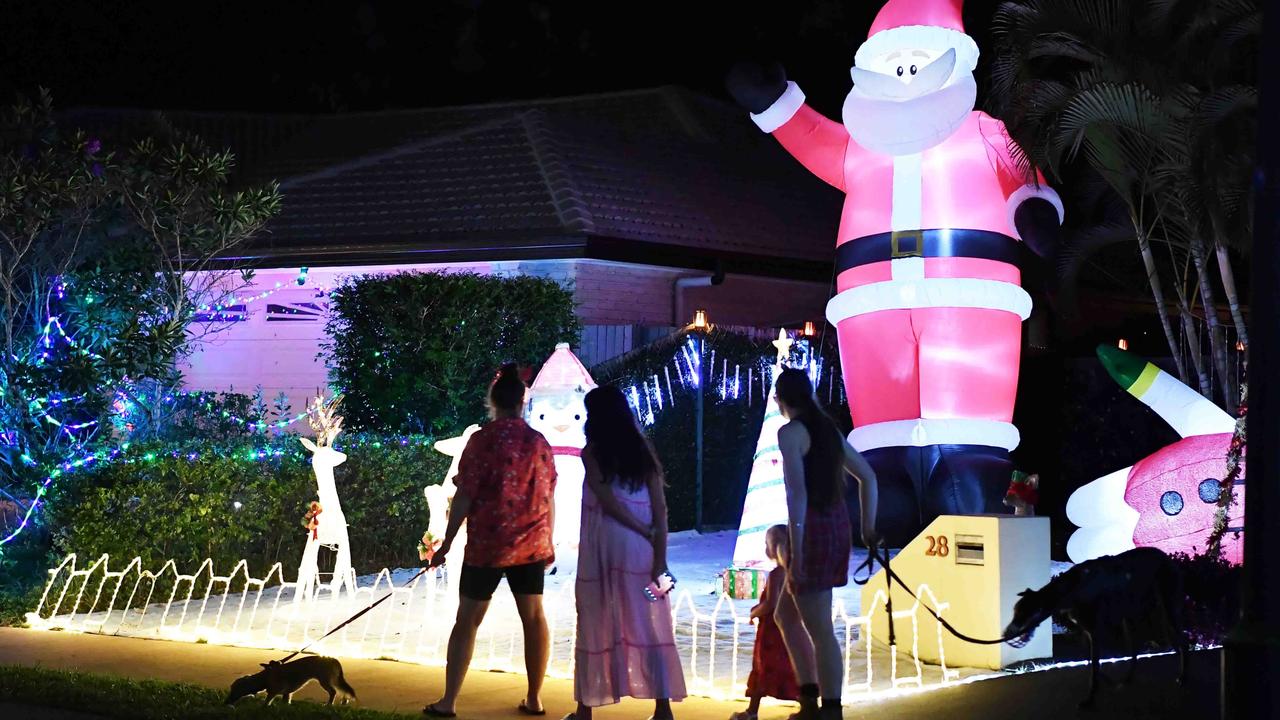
{"x":562,"y":371}
{"x":924,"y":24}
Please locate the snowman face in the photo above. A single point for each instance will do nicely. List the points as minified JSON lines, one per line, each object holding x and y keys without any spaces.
{"x":559,"y":417}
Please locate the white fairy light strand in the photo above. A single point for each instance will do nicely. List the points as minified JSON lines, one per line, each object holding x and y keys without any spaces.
{"x":249,"y":299}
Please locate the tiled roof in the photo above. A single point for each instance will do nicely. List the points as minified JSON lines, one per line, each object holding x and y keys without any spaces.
{"x":661,"y":169}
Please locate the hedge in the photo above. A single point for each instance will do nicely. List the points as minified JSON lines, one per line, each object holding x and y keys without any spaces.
{"x":413,"y":352}
{"x":159,"y":504}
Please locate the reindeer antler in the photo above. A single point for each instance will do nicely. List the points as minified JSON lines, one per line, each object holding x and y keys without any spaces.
{"x":324,"y":419}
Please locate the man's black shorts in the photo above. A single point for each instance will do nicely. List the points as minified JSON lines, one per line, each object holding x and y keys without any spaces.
{"x":478,"y":583}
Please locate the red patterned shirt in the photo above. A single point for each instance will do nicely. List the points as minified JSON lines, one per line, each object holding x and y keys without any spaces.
{"x":509,"y":472}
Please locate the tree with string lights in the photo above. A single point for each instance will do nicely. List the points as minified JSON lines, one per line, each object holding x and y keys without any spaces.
{"x":103,"y":259}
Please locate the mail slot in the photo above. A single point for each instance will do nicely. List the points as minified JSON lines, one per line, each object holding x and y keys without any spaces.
{"x":970,"y":550}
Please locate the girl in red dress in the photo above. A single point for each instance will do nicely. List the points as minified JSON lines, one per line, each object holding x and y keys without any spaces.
{"x":772,"y":674}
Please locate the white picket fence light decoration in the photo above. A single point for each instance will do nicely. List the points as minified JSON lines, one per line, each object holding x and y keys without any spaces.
{"x":239,"y":609}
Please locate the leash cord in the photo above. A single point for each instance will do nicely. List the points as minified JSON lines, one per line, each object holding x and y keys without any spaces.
{"x":892,"y":577}
{"x":353,"y":618}
{"x":888,"y":601}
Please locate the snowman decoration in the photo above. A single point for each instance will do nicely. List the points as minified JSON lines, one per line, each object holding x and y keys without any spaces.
{"x":557,"y":409}
{"x":328,"y":526}
{"x":440,"y":497}
{"x":929,"y":304}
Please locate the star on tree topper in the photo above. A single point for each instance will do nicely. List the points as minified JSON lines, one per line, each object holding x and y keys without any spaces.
{"x":783,"y":343}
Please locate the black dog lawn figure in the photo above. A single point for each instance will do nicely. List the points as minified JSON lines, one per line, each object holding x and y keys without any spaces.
{"x":1101,"y":595}
{"x":284,"y":679}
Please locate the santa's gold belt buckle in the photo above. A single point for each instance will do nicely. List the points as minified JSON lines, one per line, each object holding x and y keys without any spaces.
{"x":915,"y":249}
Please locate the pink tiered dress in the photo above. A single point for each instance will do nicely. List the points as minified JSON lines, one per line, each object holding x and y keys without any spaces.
{"x":626,"y":644}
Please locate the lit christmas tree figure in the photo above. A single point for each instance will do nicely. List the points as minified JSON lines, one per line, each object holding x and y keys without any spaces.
{"x":766,"y":500}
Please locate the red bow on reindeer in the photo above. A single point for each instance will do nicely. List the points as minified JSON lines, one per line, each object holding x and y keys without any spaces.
{"x":311,"y":521}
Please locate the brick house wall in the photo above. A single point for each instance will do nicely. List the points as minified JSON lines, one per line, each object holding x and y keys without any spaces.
{"x":621,"y":306}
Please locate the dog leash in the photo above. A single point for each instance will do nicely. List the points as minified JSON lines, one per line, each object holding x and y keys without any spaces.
{"x":892,"y":577}
{"x":353,"y":618}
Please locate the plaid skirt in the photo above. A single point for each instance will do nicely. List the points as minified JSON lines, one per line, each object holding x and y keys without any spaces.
{"x":828,"y":540}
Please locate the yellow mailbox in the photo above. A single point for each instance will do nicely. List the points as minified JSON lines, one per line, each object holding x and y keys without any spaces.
{"x":974,"y":566}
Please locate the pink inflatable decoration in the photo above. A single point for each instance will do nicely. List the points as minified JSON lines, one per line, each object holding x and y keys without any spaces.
{"x":1175,"y":492}
{"x":929,"y":305}
{"x":1169,"y":499}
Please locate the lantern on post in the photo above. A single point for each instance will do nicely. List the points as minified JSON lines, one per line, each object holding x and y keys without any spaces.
{"x":700,"y":325}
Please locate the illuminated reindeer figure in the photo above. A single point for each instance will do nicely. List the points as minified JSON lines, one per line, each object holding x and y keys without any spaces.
{"x":329,"y":527}
{"x":440,"y":496}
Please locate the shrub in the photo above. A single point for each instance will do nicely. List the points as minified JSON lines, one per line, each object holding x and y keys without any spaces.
{"x":177,"y":500}
{"x":1212,"y":587}
{"x":731,"y":426}
{"x":412,"y":352}
{"x":162,"y":415}
{"x":22,"y":578}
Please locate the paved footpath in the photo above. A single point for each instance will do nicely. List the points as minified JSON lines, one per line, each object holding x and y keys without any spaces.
{"x":403,"y":687}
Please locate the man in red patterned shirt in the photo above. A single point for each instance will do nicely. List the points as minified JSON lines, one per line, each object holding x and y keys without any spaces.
{"x":506,"y":483}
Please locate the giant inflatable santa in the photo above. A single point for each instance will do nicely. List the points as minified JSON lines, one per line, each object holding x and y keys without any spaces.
{"x":929,"y":304}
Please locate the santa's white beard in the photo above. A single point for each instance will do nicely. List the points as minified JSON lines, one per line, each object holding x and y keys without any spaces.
{"x":909,"y":126}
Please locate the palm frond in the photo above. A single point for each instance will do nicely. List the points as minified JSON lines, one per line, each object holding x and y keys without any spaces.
{"x":1130,"y":109}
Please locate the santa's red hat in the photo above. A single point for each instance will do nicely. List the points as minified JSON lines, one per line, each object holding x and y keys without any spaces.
{"x":924,"y":24}
{"x":563,"y":370}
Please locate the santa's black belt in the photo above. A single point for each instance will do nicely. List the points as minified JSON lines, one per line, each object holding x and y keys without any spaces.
{"x":982,"y":244}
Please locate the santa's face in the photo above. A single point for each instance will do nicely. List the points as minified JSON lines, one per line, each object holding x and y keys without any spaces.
{"x":905,"y":65}
{"x":909,"y":100}
{"x":559,"y":417}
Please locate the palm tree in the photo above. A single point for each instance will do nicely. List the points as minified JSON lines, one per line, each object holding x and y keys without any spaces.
{"x":1126,"y":88}
{"x":1220,"y":129}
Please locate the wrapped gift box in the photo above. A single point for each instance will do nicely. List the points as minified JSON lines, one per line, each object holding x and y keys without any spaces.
{"x":744,"y":583}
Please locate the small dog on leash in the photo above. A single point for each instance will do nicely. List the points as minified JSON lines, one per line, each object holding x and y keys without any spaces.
{"x":1101,"y":595}
{"x":284,"y":679}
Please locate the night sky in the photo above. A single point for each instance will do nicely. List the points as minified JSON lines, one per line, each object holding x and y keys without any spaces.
{"x":310,"y":57}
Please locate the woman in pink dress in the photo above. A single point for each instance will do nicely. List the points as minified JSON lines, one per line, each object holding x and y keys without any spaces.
{"x":626,"y":644}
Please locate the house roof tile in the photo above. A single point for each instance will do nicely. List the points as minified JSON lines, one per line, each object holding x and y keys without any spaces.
{"x":662,"y":171}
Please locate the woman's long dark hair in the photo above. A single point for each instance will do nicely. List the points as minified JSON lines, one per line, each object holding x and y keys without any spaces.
{"x":824,"y":463}
{"x":616,"y":441}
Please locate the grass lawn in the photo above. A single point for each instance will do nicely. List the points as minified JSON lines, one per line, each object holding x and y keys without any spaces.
{"x":111,"y":696}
